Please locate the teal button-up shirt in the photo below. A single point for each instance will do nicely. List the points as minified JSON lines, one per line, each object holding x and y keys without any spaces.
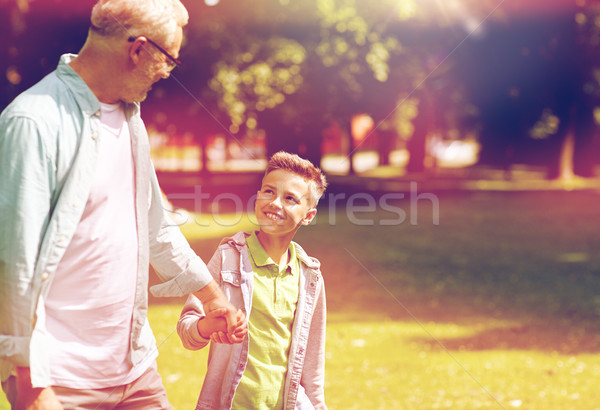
{"x":48,"y":155}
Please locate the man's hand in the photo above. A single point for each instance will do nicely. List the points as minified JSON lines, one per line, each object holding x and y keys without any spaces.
{"x":238,"y":334}
{"x":211,"y":324}
{"x":30,"y":398}
{"x":216,"y":305}
{"x":215,"y":328}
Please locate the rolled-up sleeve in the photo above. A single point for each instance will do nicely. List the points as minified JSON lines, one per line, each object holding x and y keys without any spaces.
{"x":176,"y":264}
{"x":187,"y":325}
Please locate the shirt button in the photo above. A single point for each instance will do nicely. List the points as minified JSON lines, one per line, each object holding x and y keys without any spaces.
{"x":45,"y":276}
{"x":94,"y":135}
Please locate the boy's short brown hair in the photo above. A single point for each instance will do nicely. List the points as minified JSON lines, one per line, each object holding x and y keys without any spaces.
{"x":301,"y":167}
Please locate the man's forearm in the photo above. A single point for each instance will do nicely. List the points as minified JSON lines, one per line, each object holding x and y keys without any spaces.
{"x":210,"y":292}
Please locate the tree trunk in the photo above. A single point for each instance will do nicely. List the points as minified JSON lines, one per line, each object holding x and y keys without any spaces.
{"x":417,"y":143}
{"x":352,"y":147}
{"x":585,"y":153}
{"x":204,"y":156}
{"x":280,"y":137}
{"x":310,"y":138}
{"x":567,"y":149}
{"x":385,"y":143}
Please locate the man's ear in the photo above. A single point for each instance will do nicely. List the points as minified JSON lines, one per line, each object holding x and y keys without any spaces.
{"x":310,"y":215}
{"x":136,"y":48}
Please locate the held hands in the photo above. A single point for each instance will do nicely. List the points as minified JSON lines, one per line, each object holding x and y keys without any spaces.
{"x":223,"y":322}
{"x":214,"y":326}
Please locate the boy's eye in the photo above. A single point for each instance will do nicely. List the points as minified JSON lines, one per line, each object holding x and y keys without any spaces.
{"x":292,"y":199}
{"x":265,"y":194}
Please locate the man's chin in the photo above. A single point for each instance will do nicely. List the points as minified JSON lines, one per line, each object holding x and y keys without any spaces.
{"x":141,"y":98}
{"x":137,"y":99}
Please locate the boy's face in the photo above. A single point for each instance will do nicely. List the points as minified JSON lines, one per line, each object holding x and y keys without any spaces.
{"x":283,"y":203}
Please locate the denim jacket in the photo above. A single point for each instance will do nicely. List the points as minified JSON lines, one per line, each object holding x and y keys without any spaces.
{"x":48,"y":155}
{"x":231,"y":267}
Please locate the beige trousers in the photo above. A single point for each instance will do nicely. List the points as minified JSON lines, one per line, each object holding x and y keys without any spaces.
{"x":146,"y":392}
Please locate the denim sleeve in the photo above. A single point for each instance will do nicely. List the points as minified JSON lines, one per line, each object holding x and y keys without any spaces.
{"x":313,"y":374}
{"x":26,"y":186}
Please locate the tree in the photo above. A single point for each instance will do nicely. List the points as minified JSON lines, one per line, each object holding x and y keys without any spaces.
{"x":352,"y":57}
{"x":532,"y":79}
{"x":335,"y":66}
{"x":34,"y":35}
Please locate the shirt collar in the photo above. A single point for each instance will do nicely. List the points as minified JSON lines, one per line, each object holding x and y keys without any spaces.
{"x":87,"y":100}
{"x":261,"y":259}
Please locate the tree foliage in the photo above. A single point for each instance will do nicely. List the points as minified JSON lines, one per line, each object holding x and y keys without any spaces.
{"x":520,"y":75}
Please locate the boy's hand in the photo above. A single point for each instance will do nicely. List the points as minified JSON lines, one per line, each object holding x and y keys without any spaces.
{"x":216,"y":306}
{"x":220,"y":337}
{"x":215,"y":303}
{"x":239,"y":333}
{"x":211,"y":324}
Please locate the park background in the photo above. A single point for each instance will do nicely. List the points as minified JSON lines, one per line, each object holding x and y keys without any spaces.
{"x":459,"y":237}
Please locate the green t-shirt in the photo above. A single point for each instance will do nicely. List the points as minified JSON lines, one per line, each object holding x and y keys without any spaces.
{"x":274,"y":299}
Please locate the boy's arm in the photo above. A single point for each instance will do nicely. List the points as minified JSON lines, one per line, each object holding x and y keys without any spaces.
{"x":216,"y":305}
{"x":219,"y":335}
{"x":196,"y":326}
{"x":193,"y":312}
{"x":187,"y":325}
{"x":313,"y":373}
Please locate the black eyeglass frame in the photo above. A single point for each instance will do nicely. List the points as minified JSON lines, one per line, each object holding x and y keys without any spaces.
{"x":175,"y":61}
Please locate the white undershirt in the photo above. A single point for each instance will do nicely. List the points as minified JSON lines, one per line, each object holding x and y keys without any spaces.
{"x":90,"y":303}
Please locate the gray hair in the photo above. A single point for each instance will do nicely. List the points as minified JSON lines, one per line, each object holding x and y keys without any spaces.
{"x":157,"y":19}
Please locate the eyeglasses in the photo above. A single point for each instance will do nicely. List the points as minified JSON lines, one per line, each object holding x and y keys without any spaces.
{"x":172,"y":62}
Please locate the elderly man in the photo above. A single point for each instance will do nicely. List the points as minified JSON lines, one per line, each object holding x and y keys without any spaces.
{"x":81,"y":219}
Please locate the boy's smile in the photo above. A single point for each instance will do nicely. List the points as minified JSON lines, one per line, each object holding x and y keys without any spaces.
{"x":283,"y":203}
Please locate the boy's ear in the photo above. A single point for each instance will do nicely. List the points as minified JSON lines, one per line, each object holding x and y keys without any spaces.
{"x":310,"y":215}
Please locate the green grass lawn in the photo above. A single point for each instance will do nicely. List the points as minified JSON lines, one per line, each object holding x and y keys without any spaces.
{"x":497,"y":306}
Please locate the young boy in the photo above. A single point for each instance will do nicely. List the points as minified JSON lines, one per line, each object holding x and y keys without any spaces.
{"x":281,"y":364}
